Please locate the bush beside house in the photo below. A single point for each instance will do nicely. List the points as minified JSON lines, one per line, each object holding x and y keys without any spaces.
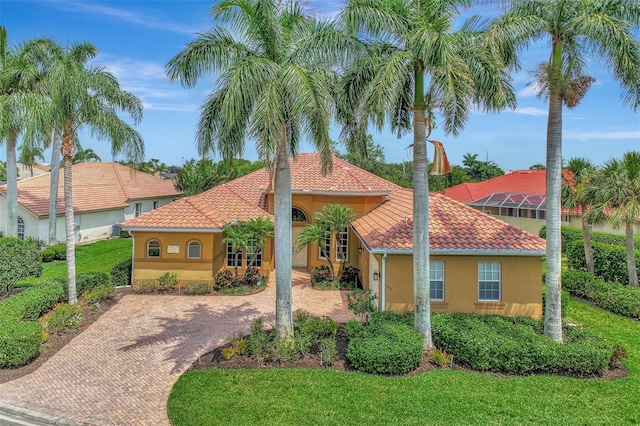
{"x":612,"y":296}
{"x":610,"y":261}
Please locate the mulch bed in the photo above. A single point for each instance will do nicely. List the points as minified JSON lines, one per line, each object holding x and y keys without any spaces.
{"x":58,"y":341}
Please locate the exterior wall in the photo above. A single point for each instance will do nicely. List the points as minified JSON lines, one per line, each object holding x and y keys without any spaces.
{"x":521,"y":285}
{"x":147,"y":206}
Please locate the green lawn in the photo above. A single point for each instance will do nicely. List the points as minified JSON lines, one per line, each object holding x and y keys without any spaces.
{"x":95,"y":257}
{"x":319,"y":397}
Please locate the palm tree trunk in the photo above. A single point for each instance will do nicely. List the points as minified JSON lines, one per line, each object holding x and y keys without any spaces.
{"x":552,"y":313}
{"x":53,"y":190}
{"x":631,"y":260}
{"x":69,"y":219}
{"x":586,"y":238}
{"x":422,"y":301}
{"x":12,"y":186}
{"x":282,"y":230}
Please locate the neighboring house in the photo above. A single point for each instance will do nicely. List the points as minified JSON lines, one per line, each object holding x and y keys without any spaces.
{"x":38,"y":170}
{"x":518,"y":198}
{"x":479,"y":263}
{"x":104,"y":194}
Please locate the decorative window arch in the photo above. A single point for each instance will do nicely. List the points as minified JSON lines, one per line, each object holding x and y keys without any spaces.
{"x":297,"y":215}
{"x":194,"y":250}
{"x":20,"y":228}
{"x":153,"y":249}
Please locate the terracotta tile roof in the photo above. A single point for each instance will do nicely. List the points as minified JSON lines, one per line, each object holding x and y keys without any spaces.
{"x":453,"y":227}
{"x":245,"y":198}
{"x":96,"y":186}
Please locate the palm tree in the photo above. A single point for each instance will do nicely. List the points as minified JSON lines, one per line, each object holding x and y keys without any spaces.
{"x":615,"y":194}
{"x":29,"y":154}
{"x":259,"y":230}
{"x":84,"y":95}
{"x":84,"y":155}
{"x":417,"y":66}
{"x":237,"y":236}
{"x":271,"y":87}
{"x":19,"y":103}
{"x":574,"y":191}
{"x":575,"y":30}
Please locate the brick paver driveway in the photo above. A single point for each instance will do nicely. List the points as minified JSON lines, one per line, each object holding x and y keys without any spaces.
{"x":121,"y":369}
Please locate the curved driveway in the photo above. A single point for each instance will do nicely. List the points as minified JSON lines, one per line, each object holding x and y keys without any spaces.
{"x":121,"y":369}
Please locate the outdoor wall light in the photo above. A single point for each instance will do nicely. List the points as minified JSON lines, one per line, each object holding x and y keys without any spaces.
{"x":376,"y":275}
{"x":359,"y":250}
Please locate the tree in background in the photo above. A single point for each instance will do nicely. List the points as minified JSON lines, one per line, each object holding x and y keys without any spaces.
{"x":196,"y":177}
{"x":575,"y":187}
{"x":537,"y":166}
{"x":576,"y":32}
{"x":615,"y":194}
{"x":84,"y":155}
{"x":28,"y":155}
{"x":3,"y":171}
{"x":479,"y":171}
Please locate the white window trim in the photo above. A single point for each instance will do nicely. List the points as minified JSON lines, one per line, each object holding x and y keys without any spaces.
{"x":159,"y":249}
{"x":231,"y":257}
{"x":253,"y":244}
{"x":492,"y":281}
{"x":339,"y":254}
{"x":432,"y":262}
{"x":327,"y":246}
{"x":199,"y":249}
{"x":21,"y":234}
{"x":137,"y":212}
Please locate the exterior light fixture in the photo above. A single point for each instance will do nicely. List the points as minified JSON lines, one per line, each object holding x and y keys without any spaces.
{"x":359,"y":250}
{"x":376,"y":275}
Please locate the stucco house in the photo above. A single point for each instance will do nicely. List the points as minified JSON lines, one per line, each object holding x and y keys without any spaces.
{"x":104,"y":194}
{"x":478,"y":264}
{"x":518,"y":198}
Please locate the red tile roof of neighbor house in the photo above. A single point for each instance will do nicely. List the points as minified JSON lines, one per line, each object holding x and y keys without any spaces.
{"x":96,"y":186}
{"x":245,"y":198}
{"x":453,"y":228}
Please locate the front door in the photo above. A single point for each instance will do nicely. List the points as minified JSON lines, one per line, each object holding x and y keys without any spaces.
{"x":299,"y":259}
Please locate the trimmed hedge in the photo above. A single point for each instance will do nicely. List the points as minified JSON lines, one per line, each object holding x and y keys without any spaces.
{"x":121,"y":273}
{"x":571,"y":234}
{"x":60,"y":251}
{"x":48,"y":255}
{"x":32,"y":303}
{"x":386,"y":348}
{"x":18,"y":259}
{"x":514,"y":346}
{"x":610,"y":261}
{"x":614,"y":297}
{"x":90,"y":280}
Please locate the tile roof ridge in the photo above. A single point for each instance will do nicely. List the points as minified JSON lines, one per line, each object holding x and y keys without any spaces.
{"x":122,"y":185}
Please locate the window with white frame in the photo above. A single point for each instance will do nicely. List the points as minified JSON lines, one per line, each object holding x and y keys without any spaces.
{"x":436,"y":280}
{"x":342,"y":244}
{"x":489,"y":281}
{"x":153,"y":248}
{"x":155,"y":205}
{"x":254,"y":254}
{"x":138,"y":210}
{"x":325,"y":248}
{"x":20,"y":228}
{"x":234,"y":258}
{"x":194,"y":250}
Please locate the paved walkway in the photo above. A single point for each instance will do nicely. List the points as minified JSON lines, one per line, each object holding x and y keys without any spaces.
{"x":121,"y":369}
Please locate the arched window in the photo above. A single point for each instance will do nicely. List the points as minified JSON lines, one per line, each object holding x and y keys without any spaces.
{"x":193,"y":250}
{"x":20,"y":228}
{"x":153,"y":248}
{"x":298,"y":215}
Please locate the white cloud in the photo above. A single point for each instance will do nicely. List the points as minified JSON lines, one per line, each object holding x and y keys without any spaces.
{"x":534,"y":111}
{"x":622,"y":134}
{"x":170,"y":107}
{"x":529,"y":91}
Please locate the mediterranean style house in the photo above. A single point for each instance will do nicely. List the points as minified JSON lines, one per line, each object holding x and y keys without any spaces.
{"x":478,"y":263}
{"x":519,"y":198}
{"x":104,"y":195}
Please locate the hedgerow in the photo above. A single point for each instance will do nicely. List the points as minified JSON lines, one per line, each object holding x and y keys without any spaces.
{"x":612,"y":296}
{"x":610,"y":261}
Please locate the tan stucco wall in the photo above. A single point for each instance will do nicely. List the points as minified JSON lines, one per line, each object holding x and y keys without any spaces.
{"x":521,"y":285}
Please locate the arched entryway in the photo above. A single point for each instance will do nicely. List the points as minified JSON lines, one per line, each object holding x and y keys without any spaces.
{"x":298,"y":220}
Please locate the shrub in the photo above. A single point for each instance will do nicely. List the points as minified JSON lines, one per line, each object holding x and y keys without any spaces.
{"x":32,"y":303}
{"x":60,"y":251}
{"x":315,"y":328}
{"x":284,"y":349}
{"x":251,"y":277}
{"x":610,"y":261}
{"x":98,"y":293}
{"x":614,"y":297}
{"x":360,"y":302}
{"x":48,"y":255}
{"x":18,"y":259}
{"x":381,"y":317}
{"x":507,"y":345}
{"x":144,"y":286}
{"x":228,"y":352}
{"x":223,"y":279}
{"x":121,"y":273}
{"x":321,"y":273}
{"x":259,"y":339}
{"x":388,"y":348}
{"x":90,"y":280}
{"x":570,"y":234}
{"x":441,"y":358}
{"x":167,"y":282}
{"x":19,"y":342}
{"x":324,"y":285}
{"x":349,"y":277}
{"x":63,"y":316}
{"x":354,"y":328}
{"x":197,"y":287}
{"x":328,"y":350}
{"x":564,"y":301}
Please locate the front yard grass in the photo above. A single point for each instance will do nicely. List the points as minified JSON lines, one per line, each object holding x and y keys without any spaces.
{"x":279,"y":396}
{"x":94,"y":257}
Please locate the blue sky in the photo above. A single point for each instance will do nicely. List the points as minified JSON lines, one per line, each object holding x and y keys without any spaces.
{"x":137,"y":38}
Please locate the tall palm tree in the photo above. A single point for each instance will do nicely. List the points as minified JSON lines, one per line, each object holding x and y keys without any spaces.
{"x":19,"y":103}
{"x":416,"y":66}
{"x":575,"y":31}
{"x":84,"y":155}
{"x":271,"y":87}
{"x":615,"y":194}
{"x":29,"y":154}
{"x":88,"y":96}
{"x":574,"y":193}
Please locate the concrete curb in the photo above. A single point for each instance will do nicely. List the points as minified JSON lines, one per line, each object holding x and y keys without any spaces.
{"x":13,"y":415}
